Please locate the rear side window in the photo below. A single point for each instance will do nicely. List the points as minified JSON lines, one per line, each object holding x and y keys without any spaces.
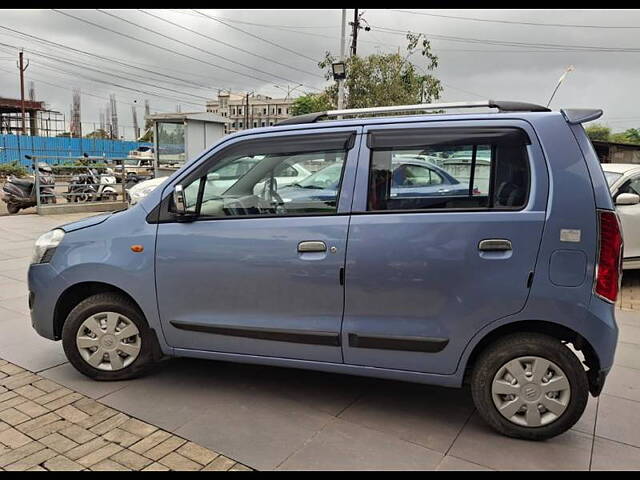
{"x":448,"y":169}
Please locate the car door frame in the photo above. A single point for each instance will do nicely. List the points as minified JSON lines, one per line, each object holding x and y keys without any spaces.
{"x":161,"y":214}
{"x":537,"y":203}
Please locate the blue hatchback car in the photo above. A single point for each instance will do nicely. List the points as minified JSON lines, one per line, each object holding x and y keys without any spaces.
{"x":398,"y":270}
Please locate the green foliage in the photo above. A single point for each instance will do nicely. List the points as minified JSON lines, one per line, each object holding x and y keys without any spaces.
{"x":597,"y":132}
{"x":311,"y":102}
{"x":386,"y":79}
{"x":13,"y":168}
{"x":99,"y":133}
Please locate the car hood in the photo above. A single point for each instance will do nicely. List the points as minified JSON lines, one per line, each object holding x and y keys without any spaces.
{"x":85,"y":222}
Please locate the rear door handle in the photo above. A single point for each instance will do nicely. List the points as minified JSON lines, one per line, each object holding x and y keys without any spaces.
{"x":494,"y":245}
{"x":312,"y":246}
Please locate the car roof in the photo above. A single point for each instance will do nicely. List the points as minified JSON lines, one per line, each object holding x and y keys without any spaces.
{"x":620,"y":167}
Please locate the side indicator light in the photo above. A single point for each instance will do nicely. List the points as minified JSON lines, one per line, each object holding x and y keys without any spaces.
{"x":137,"y":248}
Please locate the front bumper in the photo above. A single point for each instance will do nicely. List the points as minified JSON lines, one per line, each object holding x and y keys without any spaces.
{"x":45,"y":287}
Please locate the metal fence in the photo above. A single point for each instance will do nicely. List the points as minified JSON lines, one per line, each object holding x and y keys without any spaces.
{"x":13,"y":148}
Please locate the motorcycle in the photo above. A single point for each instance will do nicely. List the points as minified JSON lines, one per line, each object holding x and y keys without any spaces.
{"x":19,"y":193}
{"x":92,"y":186}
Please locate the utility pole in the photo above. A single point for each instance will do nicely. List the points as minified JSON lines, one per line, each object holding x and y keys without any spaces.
{"x":136,"y":129}
{"x":354,"y":32}
{"x":341,"y":81}
{"x":22,"y":68}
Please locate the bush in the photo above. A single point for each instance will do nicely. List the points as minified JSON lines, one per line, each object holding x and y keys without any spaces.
{"x":13,"y":168}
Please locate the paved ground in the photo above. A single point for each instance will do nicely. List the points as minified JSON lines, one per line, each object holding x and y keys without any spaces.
{"x":273,"y":418}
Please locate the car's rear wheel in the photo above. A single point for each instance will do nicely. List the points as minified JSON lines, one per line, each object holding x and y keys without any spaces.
{"x":107,"y":338}
{"x":530,"y":386}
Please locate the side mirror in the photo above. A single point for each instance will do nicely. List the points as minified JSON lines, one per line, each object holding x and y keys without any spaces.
{"x":628,"y":199}
{"x":179,"y":200}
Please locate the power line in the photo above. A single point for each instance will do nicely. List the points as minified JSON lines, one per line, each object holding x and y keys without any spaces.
{"x":229,"y":45}
{"x":258,"y":37}
{"x":472,"y":19}
{"x":84,"y":52}
{"x":102,"y":72}
{"x":180,"y":42}
{"x":589,"y":48}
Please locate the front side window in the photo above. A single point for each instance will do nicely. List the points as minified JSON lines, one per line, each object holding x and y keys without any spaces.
{"x":631,"y":186}
{"x":448,"y":173}
{"x":269,"y":182}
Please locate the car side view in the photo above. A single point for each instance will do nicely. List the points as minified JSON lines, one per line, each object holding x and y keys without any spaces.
{"x":478,"y":248}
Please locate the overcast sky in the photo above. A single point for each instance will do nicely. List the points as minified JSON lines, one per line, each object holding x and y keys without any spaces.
{"x":474,"y":63}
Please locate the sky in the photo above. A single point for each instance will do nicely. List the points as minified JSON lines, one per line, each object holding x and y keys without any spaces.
{"x":498,"y":54}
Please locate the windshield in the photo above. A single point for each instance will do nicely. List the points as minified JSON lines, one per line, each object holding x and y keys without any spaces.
{"x":612,"y":177}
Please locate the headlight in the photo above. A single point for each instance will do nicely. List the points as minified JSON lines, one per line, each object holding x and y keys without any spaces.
{"x":46,"y":245}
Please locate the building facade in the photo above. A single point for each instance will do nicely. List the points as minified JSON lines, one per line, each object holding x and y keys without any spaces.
{"x":262,"y":111}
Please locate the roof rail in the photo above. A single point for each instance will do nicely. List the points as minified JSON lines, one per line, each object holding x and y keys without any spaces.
{"x":503,"y":106}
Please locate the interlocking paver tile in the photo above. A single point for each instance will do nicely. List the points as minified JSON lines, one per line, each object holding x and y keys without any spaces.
{"x":31,"y":460}
{"x":12,"y":438}
{"x":195,"y":452}
{"x":121,"y":437}
{"x":12,"y":456}
{"x":11,"y":402}
{"x":30,"y":391}
{"x":86,"y":448}
{"x":13,"y":416}
{"x":48,"y":429}
{"x":47,"y":385}
{"x":62,"y":464}
{"x":156,"y":467}
{"x":109,"y":424}
{"x":58,"y":442}
{"x":31,"y":408}
{"x":50,"y":397}
{"x":131,"y":459}
{"x":137,"y":427}
{"x":77,"y":434}
{"x":99,"y":417}
{"x":108,"y":466}
{"x":11,"y":369}
{"x":62,"y":401}
{"x":151,"y":441}
{"x":7,"y":395}
{"x":89,"y":406}
{"x":160,"y":450}
{"x":238,"y":467}
{"x":175,"y":461}
{"x":220,"y":463}
{"x":99,"y":455}
{"x":39,"y":422}
{"x":71,"y":413}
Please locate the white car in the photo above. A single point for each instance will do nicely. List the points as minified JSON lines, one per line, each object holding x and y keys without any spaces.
{"x":224,"y":178}
{"x":624,"y":183}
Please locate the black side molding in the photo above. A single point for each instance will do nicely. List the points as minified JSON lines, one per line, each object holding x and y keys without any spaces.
{"x":413,"y":344}
{"x":278,"y":335}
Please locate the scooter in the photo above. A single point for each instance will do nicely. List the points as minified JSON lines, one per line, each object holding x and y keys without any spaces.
{"x":19,"y":193}
{"x":91,"y":186}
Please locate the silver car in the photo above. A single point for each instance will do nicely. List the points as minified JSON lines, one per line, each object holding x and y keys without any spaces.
{"x":624,"y":183}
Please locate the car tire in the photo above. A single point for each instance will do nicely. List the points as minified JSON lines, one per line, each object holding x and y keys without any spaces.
{"x":494,"y":388}
{"x":12,"y":208}
{"x":120,"y":359}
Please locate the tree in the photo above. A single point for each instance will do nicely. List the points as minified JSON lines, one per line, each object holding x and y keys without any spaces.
{"x":311,"y":102}
{"x":386,"y":79}
{"x":597,"y":132}
{"x":99,"y":133}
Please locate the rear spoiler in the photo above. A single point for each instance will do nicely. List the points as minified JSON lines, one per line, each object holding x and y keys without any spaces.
{"x":575,"y":116}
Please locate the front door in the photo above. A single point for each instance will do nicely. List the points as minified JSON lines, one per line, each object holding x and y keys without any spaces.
{"x":256,"y":270}
{"x":433,"y":258}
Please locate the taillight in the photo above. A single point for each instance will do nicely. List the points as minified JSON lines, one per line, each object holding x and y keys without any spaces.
{"x":609,"y":256}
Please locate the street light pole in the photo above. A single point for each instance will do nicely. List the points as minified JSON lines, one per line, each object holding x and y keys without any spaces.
{"x":341,"y":81}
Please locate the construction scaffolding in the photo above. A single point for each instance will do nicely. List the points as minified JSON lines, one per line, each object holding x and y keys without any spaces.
{"x":39,"y":120}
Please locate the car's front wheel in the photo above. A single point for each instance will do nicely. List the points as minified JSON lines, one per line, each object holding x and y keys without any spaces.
{"x":530,"y":386}
{"x":107,"y":338}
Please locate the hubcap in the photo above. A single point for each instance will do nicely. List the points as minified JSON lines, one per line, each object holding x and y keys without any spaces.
{"x":530,"y":391}
{"x":108,"y":341}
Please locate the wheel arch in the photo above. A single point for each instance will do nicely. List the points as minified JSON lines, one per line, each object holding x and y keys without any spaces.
{"x":77,"y":293}
{"x":561,"y":332}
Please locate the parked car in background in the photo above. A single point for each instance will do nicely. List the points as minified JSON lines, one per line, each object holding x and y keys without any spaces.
{"x":396,"y":272}
{"x":226,"y":177}
{"x":624,"y":182}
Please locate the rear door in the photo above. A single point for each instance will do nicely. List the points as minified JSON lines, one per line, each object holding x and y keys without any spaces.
{"x":425,"y":272}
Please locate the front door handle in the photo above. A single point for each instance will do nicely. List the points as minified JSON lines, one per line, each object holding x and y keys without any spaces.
{"x":312,"y":246}
{"x":494,"y":245}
